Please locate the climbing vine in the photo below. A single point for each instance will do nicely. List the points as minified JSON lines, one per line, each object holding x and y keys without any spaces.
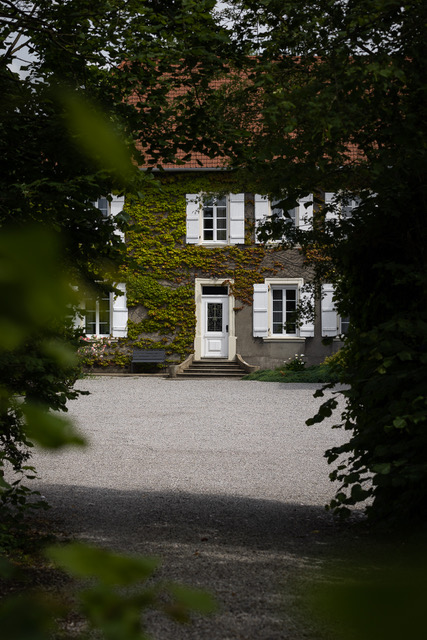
{"x":162,"y":268}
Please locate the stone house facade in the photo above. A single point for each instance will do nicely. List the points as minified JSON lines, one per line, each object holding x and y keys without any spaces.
{"x":199,"y":281}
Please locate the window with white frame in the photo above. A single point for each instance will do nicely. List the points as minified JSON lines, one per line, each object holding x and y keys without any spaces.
{"x":291,"y":216}
{"x":111,"y":206}
{"x":276,"y":303}
{"x":344,"y":325}
{"x":300,"y":216}
{"x":97,"y":313}
{"x":284,"y":308}
{"x":215,"y":219}
{"x":104,"y":206}
{"x":104,"y":316}
{"x":340,"y":208}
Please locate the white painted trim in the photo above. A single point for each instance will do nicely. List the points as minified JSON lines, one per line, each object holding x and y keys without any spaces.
{"x":235,"y":212}
{"x":284,"y":339}
{"x":282,"y":282}
{"x":232,"y":340}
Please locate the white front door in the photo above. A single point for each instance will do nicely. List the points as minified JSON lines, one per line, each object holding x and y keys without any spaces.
{"x":215,"y":327}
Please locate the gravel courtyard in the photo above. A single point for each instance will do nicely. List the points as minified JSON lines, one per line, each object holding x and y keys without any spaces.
{"x":221,"y":479}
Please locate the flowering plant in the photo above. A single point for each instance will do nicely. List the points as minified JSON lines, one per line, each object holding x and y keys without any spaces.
{"x":296,"y":363}
{"x":94,"y":351}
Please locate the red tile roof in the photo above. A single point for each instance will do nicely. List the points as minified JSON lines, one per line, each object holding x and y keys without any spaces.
{"x":197,"y":160}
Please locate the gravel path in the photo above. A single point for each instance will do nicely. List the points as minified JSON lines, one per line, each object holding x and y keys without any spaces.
{"x":222,"y":479}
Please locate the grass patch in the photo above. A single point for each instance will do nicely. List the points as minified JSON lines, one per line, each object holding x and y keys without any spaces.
{"x":317,"y":373}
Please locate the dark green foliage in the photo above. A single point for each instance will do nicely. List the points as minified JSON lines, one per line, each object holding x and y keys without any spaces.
{"x":372,"y":598}
{"x":342,"y":95}
{"x":109,"y":594}
{"x":68,"y":133}
{"x":92,"y":99}
{"x":37,"y":367}
{"x":314,"y":374}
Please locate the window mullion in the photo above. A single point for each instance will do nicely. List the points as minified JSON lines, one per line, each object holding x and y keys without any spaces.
{"x":97,"y":331}
{"x":215,"y":222}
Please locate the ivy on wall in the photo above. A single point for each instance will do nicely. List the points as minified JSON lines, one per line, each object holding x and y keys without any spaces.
{"x":161,"y":268}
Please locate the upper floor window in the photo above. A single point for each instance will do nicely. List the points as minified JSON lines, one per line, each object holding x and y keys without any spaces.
{"x":215,"y":220}
{"x":104,"y":206}
{"x":340,"y":207}
{"x":111,"y":207}
{"x":291,"y":215}
{"x":344,"y":325}
{"x":265,"y":210}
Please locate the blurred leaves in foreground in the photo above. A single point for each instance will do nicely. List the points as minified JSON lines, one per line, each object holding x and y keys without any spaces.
{"x":380,"y":600}
{"x":111,"y":593}
{"x":97,"y":137}
{"x":37,"y":375}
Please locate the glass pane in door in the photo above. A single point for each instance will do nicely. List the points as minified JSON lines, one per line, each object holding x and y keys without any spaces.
{"x":214,"y":316}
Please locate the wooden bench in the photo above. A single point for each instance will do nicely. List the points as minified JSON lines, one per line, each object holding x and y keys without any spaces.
{"x":146,"y":356}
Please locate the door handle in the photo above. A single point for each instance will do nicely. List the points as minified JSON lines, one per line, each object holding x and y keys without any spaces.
{"x":226,"y":328}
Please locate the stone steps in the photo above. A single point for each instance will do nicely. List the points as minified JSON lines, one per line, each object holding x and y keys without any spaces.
{"x":212,"y":369}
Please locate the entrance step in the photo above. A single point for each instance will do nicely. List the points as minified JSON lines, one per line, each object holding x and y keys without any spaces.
{"x":212,"y":369}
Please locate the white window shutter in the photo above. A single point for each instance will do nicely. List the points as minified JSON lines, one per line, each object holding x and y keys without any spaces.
{"x":260,"y":311}
{"x":347,"y":209}
{"x":329,"y":314}
{"x":237,"y":218}
{"x":78,"y":322}
{"x":262,"y":211}
{"x":341,"y":210}
{"x":116,"y":205}
{"x":305,"y":213}
{"x":306,"y":330}
{"x":120,"y":314}
{"x":334,"y":214}
{"x":193,"y":218}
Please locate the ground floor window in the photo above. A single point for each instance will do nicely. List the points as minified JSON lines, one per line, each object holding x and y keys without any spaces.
{"x":97,"y":318}
{"x":344,"y":324}
{"x":284,"y":306}
{"x":105,"y":315}
{"x":276,"y":309}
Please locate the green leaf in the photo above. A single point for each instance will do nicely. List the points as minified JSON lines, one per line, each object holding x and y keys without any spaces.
{"x":60,"y":353}
{"x":7,"y":569}
{"x":193,"y":599}
{"x":400,"y":423}
{"x":109,"y":568}
{"x":97,"y":136}
{"x":49,"y":430}
{"x":29,"y":617}
{"x":382,"y":468}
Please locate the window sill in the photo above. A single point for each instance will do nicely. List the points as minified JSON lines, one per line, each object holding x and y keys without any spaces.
{"x":91,"y":337}
{"x":284,"y":339}
{"x":211,"y":245}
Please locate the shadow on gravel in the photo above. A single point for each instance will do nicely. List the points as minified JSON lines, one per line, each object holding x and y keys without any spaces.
{"x":256,"y":557}
{"x":137,"y":518}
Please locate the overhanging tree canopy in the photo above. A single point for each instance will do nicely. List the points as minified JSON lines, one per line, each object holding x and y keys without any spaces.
{"x":340,"y":88}
{"x":70,"y":135}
